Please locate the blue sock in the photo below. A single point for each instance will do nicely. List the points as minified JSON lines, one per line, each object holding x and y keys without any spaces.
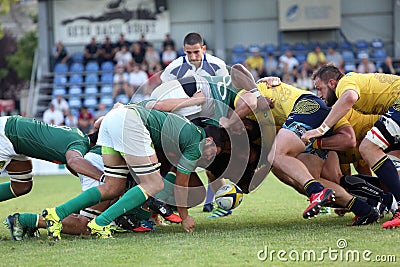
{"x":387,"y":173}
{"x":312,"y":187}
{"x":210,"y":195}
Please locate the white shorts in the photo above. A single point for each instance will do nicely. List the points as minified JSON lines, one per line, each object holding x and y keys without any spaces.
{"x":7,"y":152}
{"x":174,"y":89}
{"x":86,"y":181}
{"x":123,"y":130}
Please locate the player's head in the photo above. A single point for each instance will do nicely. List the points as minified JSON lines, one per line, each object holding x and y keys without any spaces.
{"x":93,"y":138}
{"x":194,"y":48}
{"x":326,"y":79}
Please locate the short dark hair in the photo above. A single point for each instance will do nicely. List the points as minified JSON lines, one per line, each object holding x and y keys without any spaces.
{"x":327,"y":72}
{"x":193,"y":38}
{"x":219,"y":135}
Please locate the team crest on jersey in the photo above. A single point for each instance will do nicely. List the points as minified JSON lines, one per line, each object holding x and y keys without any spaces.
{"x":2,"y":164}
{"x":306,"y":106}
{"x":396,"y":105}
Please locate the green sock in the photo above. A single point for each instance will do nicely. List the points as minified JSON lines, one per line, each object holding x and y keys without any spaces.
{"x":86,"y":199}
{"x":6,"y":192}
{"x":130,"y":200}
{"x":168,"y":191}
{"x":29,"y":219}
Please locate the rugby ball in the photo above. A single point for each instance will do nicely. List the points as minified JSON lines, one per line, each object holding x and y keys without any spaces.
{"x":229,"y":196}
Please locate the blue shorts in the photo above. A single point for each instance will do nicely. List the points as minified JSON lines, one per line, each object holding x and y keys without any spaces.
{"x":308,"y":113}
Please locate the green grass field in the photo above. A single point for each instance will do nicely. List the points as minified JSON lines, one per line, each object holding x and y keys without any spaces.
{"x":269,"y":220}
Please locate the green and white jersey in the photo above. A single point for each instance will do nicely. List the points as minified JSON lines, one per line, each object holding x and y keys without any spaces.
{"x":39,"y":140}
{"x":175,"y":136}
{"x":220,"y":98}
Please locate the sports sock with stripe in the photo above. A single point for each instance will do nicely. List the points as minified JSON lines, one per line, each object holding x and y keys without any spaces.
{"x":312,"y":186}
{"x":6,"y":191}
{"x":387,"y":173}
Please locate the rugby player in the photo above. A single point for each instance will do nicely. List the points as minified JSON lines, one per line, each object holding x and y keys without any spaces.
{"x":129,"y":136}
{"x":22,"y":138}
{"x":373,"y":93}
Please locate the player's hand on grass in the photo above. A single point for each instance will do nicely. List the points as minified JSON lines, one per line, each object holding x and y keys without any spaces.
{"x":188,"y":224}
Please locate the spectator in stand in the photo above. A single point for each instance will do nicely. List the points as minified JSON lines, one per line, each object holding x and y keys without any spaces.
{"x":334,"y":57}
{"x":303,"y":80}
{"x":137,"y":53}
{"x":168,"y":41}
{"x":122,"y":42}
{"x":53,"y":116}
{"x":152,"y":57}
{"x":256,"y":63}
{"x":92,"y":51}
{"x":60,"y":104}
{"x":85,"y":120}
{"x":366,"y":66}
{"x":271,"y":66}
{"x":387,"y":66}
{"x":288,"y":63}
{"x":61,"y":54}
{"x":123,"y":58}
{"x":71,"y":120}
{"x":101,"y":111}
{"x":154,"y":75}
{"x":168,"y":55}
{"x":107,"y":51}
{"x":120,"y":82}
{"x":143,"y":43}
{"x":316,"y":58}
{"x":137,"y":77}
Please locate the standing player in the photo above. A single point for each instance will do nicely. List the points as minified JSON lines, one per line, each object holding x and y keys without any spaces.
{"x":25,"y":137}
{"x":196,"y":61}
{"x":129,"y":137}
{"x":373,"y":93}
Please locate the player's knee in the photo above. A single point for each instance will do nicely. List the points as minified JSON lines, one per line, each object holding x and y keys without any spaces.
{"x":366,"y":147}
{"x":21,"y":188}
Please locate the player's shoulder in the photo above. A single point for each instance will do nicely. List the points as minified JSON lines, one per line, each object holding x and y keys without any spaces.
{"x":213,"y":59}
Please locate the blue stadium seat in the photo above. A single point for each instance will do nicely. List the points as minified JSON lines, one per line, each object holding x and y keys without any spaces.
{"x":107,"y":100}
{"x":59,"y":90}
{"x":74,"y":103}
{"x":349,"y":66}
{"x":92,"y":78}
{"x":107,"y":66}
{"x":107,"y":78}
{"x":60,"y":80}
{"x":377,"y":43}
{"x":254,"y":48}
{"x":284,"y":46}
{"x":239,"y":49}
{"x":75,"y":91}
{"x":76,"y":67}
{"x":124,"y":99}
{"x":348,"y":56}
{"x":328,"y":44}
{"x":269,"y":48}
{"x":77,"y":57}
{"x":311,"y":45}
{"x":92,"y":66}
{"x":91,"y":90}
{"x":90,"y":102}
{"x":299,"y":47}
{"x":379,"y":56}
{"x":238,"y":59}
{"x":76,"y":79}
{"x":60,"y":68}
{"x":301,"y":57}
{"x":346,"y":45}
{"x":361,"y":44}
{"x":362,"y":53}
{"x":106,"y":89}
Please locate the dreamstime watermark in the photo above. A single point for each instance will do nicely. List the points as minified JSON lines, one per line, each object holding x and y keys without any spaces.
{"x":340,"y":253}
